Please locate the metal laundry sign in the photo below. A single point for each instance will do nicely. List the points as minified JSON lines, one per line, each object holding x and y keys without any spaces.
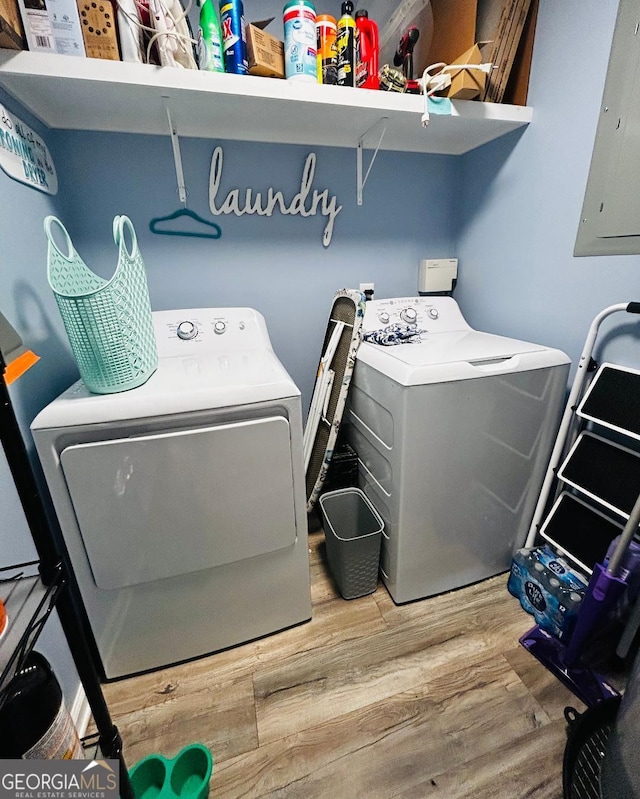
{"x":306,"y":202}
{"x":24,"y":156}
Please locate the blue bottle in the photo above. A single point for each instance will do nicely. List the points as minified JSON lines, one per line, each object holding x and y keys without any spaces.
{"x":234,"y":37}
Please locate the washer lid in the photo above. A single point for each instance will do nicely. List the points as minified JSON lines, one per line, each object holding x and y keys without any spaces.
{"x":180,"y":385}
{"x":460,"y":355}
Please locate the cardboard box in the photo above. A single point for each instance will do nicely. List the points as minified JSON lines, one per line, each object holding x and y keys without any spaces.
{"x":65,"y":23}
{"x":264,"y":51}
{"x":467,"y":84}
{"x":99,"y":29}
{"x":11,"y":30}
{"x":52,"y":26}
{"x":37,"y":26}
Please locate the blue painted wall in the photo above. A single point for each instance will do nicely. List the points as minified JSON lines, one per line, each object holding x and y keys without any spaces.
{"x":509,"y":211}
{"x":277,"y":264}
{"x":522,"y":201}
{"x":31,"y":311}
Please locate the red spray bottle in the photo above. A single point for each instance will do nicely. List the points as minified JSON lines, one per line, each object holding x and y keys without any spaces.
{"x":367,"y":68}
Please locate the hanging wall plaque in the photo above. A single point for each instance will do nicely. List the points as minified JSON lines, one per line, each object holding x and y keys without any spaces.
{"x":24,"y":156}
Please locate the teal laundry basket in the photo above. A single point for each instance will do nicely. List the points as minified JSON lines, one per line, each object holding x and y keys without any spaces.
{"x":108,"y":322}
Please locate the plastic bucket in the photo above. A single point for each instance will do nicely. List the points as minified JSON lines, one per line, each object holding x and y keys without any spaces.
{"x":353,"y":534}
{"x":186,"y":776}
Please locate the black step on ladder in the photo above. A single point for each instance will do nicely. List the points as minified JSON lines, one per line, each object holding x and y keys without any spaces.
{"x":593,"y":479}
{"x":600,"y":477}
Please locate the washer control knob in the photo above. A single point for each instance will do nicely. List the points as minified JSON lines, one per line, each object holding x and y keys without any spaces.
{"x":187,"y":330}
{"x":433,"y":313}
{"x":219,"y":327}
{"x":383,"y":316}
{"x":409,"y":315}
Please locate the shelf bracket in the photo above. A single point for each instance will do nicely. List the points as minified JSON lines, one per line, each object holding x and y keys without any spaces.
{"x":360,"y":180}
{"x":177,"y":158}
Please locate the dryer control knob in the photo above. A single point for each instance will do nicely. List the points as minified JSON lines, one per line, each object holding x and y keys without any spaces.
{"x":383,"y":316}
{"x":219,"y":327}
{"x":433,"y":313}
{"x":186,"y":331}
{"x":409,"y":315}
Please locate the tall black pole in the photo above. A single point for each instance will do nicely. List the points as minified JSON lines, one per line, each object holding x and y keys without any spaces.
{"x":18,"y":460}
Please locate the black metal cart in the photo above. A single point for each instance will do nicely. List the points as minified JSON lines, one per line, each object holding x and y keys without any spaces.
{"x":33,"y":589}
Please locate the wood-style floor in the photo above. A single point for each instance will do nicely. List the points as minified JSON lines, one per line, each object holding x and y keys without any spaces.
{"x":369,"y":700}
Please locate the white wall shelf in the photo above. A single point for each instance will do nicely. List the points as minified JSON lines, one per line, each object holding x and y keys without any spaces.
{"x":91,"y":94}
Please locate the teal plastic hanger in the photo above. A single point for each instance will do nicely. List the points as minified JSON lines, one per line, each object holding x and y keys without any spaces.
{"x":214,"y":233}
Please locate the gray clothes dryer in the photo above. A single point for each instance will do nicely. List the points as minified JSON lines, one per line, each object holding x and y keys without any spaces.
{"x":182,"y":502}
{"x":453,"y":434}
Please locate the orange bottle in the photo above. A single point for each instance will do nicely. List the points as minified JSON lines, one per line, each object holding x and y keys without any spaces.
{"x":327,"y":50}
{"x":367,"y":67}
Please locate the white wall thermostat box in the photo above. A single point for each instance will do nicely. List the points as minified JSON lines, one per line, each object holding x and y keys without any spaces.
{"x":437,"y":275}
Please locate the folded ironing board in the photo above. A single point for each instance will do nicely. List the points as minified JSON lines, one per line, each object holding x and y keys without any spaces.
{"x":341,"y":342}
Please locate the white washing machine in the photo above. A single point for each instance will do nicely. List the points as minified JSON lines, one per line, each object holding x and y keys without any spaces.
{"x":182,"y":502}
{"x":453,"y":433}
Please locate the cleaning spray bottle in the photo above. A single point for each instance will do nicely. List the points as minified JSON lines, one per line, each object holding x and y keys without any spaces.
{"x":210,"y":54}
{"x":367,"y":66}
{"x":347,"y":46}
